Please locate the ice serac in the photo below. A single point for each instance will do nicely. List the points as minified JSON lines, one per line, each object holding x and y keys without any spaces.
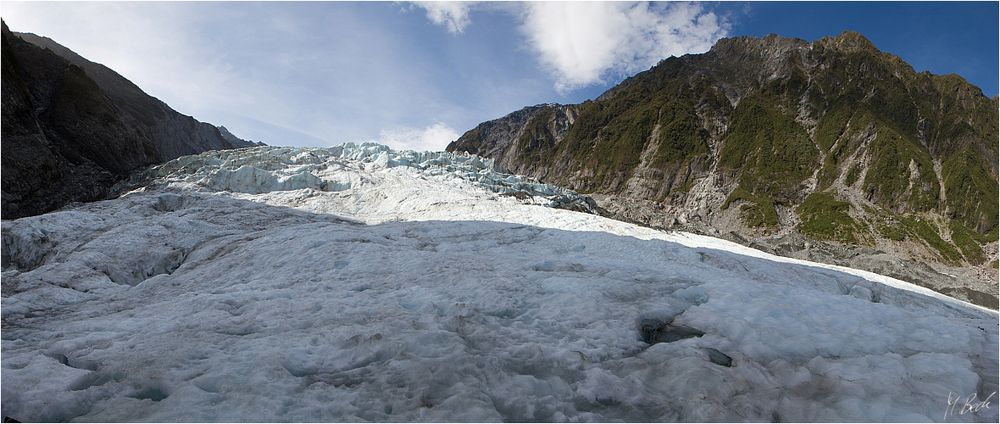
{"x":358,"y":283}
{"x":269,"y":169}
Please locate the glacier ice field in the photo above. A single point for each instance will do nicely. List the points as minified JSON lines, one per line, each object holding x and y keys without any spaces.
{"x":358,"y":283}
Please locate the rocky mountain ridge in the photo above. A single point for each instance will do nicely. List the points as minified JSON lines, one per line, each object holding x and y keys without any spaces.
{"x":72,"y":127}
{"x":830,"y":150}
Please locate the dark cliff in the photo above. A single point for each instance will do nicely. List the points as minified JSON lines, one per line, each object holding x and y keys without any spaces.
{"x":72,"y":128}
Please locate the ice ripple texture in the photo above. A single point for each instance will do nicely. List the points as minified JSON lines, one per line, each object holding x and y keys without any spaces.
{"x":362,"y":284}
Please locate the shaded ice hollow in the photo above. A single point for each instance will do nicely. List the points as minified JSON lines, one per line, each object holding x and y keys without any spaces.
{"x":357,"y":283}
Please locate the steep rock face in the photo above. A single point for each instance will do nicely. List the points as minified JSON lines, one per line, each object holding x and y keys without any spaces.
{"x":513,"y":139}
{"x":174,"y":134}
{"x":71,"y":127}
{"x":832,"y":143}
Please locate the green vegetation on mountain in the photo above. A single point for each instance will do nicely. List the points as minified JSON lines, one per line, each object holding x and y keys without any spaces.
{"x":862,"y":148}
{"x":852,"y":175}
{"x":971,"y":190}
{"x":890,"y":181}
{"x":892,"y":230}
{"x":929,"y":234}
{"x":768,"y":150}
{"x":681,"y":134}
{"x":536,"y":136}
{"x":968,"y":242}
{"x":757,"y":210}
{"x":832,"y":125}
{"x":826,"y":218}
{"x":618,"y":145}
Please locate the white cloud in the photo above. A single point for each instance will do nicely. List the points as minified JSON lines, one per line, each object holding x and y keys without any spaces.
{"x":585,"y":43}
{"x":453,"y":15}
{"x":293,"y":68}
{"x":435,"y":137}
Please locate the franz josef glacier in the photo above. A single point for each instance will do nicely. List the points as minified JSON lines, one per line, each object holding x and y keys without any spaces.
{"x":357,"y":283}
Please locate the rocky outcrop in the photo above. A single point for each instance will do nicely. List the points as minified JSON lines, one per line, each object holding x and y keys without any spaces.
{"x":771,"y":139}
{"x":228,"y":136}
{"x":72,"y":128}
{"x":512,"y":138}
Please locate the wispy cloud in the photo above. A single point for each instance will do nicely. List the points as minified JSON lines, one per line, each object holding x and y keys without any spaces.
{"x":453,"y":15}
{"x":434,"y":137}
{"x":585,"y":43}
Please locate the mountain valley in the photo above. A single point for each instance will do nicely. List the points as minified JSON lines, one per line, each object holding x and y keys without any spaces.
{"x":772,"y":231}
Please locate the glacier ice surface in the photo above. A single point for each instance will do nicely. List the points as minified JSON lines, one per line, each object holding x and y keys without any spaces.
{"x":361,"y":284}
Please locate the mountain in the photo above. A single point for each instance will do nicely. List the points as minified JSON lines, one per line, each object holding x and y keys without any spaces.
{"x":358,"y":283}
{"x":228,"y":136}
{"x":830,"y":150}
{"x":72,"y":127}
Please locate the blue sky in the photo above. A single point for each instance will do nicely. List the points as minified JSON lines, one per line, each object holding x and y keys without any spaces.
{"x":417,"y":75}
